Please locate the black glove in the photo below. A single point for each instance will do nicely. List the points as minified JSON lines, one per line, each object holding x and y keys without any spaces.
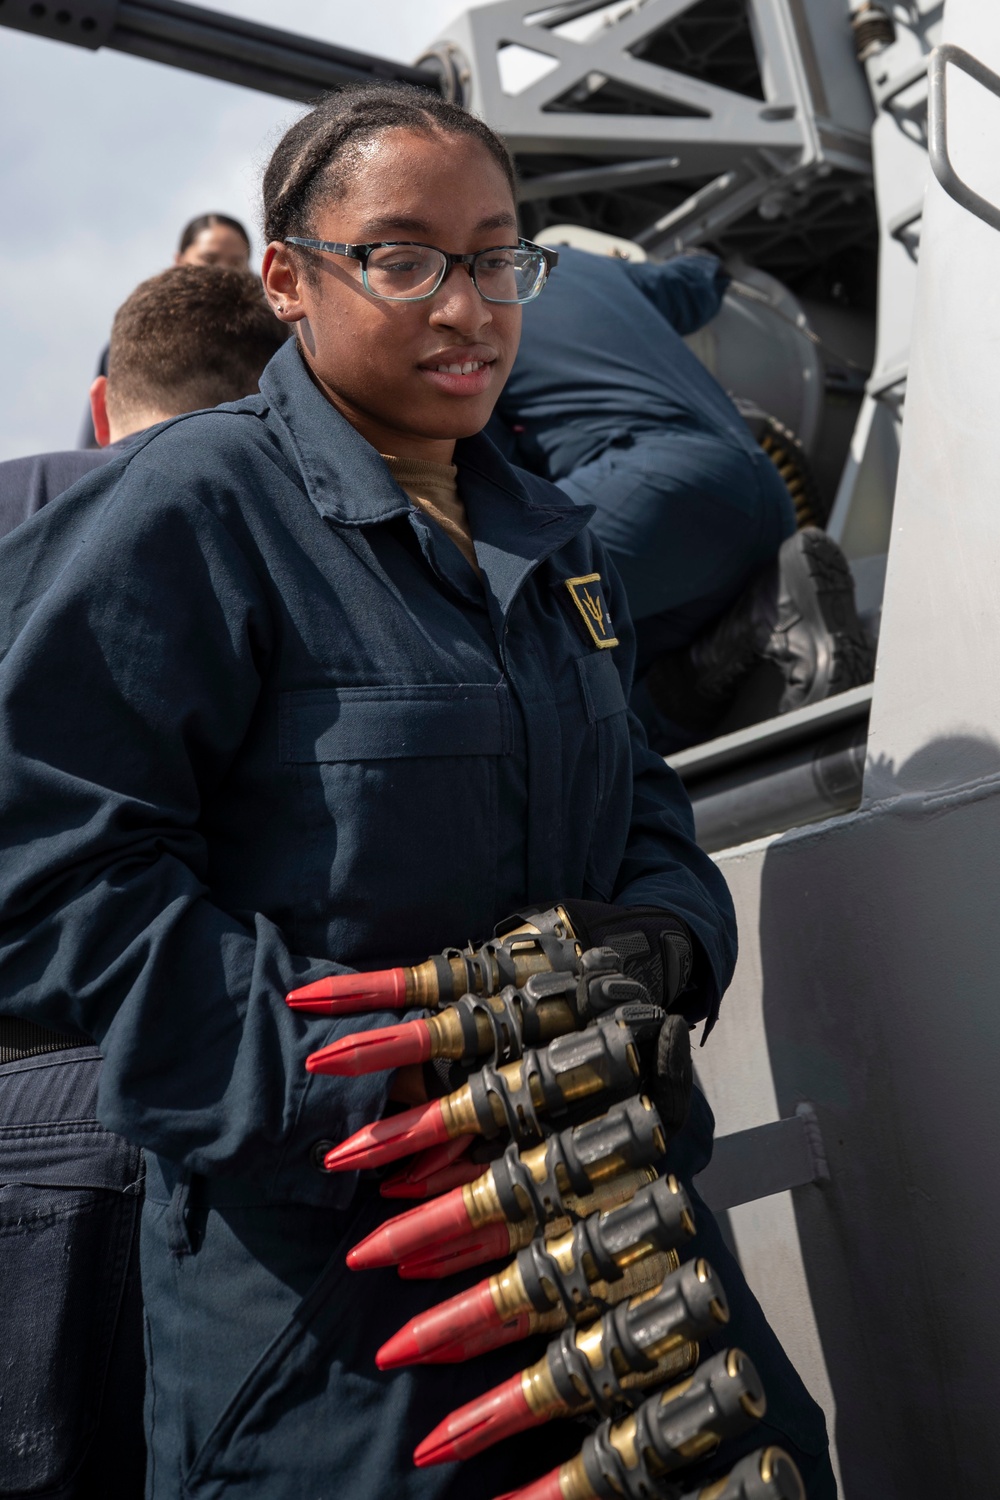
{"x":654,"y":946}
{"x":673,"y":1077}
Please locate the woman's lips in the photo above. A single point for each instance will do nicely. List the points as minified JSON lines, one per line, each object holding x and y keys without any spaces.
{"x":470,"y":378}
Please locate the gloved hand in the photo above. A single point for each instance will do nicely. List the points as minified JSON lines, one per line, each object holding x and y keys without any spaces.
{"x":654,"y":946}
{"x":672,"y":1077}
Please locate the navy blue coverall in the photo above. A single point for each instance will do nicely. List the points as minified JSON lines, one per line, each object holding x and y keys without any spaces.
{"x":259,"y":722}
{"x":617,"y":411}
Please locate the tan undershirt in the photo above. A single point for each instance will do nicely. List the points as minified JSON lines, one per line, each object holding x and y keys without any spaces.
{"x":434,"y":487}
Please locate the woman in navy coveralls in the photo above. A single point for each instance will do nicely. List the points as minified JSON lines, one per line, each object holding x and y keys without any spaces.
{"x":261,"y":720}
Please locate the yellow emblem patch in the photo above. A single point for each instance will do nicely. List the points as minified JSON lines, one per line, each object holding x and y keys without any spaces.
{"x":586,"y":595}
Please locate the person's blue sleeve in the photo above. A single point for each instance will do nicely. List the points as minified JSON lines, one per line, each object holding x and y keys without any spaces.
{"x":662,"y":865}
{"x":688,"y":290}
{"x":137,"y":641}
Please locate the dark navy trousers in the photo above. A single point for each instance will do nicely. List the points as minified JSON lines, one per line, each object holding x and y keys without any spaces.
{"x":267,"y":1342}
{"x":688,"y":517}
{"x":71,"y":1365}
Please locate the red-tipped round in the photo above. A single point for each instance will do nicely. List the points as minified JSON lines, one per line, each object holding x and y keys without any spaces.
{"x":388,"y":1140}
{"x":492,"y":1242}
{"x":373,"y":1051}
{"x":346,"y":994}
{"x":445,"y":1218}
{"x":422,"y":1177}
{"x":437,"y":1157}
{"x":438,"y":1182}
{"x":479,"y":1343}
{"x":469,"y":1313}
{"x":548,"y":1488}
{"x":499,"y":1414}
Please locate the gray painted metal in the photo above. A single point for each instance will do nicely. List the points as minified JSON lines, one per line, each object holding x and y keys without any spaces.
{"x":769,"y":794}
{"x":867,"y":982}
{"x":787,"y":772}
{"x":802,"y":724}
{"x":768,"y":1159}
{"x":937,"y":128}
{"x":813,"y":120}
{"x":861,"y":518}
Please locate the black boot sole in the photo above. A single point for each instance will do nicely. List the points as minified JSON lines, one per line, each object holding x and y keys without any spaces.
{"x":818,"y":580}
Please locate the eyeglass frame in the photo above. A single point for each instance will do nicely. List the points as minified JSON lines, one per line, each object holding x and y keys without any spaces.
{"x":362,"y":252}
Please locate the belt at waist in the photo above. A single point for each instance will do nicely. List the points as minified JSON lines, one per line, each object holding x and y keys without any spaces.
{"x":19,"y":1039}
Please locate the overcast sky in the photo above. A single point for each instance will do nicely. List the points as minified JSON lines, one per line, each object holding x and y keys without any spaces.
{"x":104,"y":158}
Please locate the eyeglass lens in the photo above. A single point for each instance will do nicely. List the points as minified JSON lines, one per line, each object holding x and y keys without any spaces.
{"x":501,"y":275}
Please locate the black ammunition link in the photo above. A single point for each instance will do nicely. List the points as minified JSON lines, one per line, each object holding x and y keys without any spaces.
{"x":680,"y":1312}
{"x":594,"y":986}
{"x":579,"y":1382}
{"x":447,"y":988}
{"x":768,"y":1474}
{"x":554,"y":938}
{"x":722,"y":1399}
{"x":604,"y":1048}
{"x":560,"y":953}
{"x":630,"y":1132}
{"x":515,"y":1015}
{"x":505,"y":1023}
{"x":516,"y":1101}
{"x":658,"y":1218}
{"x":689,"y":1305}
{"x":601,"y":986}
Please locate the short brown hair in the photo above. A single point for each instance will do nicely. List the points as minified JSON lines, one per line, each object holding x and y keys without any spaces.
{"x":192,"y":337}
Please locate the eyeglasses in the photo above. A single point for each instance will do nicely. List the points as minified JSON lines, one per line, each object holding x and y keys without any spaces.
{"x":400,"y":271}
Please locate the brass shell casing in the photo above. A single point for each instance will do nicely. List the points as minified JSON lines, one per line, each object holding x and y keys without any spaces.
{"x":482,"y":1203}
{"x":555,"y":1018}
{"x":525,"y":953}
{"x":610,"y":1194}
{"x":542,"y":1396}
{"x":508,"y":1292}
{"x":447,"y":1037}
{"x":423,"y":990}
{"x":539,"y":1390}
{"x":510,"y":1297}
{"x":459,"y":1113}
{"x":550,"y":1322}
{"x":573,"y":1481}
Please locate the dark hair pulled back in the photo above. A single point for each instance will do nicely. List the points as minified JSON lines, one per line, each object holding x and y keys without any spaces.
{"x":302,"y":170}
{"x":191,"y":231}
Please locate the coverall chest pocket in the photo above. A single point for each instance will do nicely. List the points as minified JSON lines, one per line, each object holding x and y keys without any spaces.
{"x":399,"y":785}
{"x":607,"y":713}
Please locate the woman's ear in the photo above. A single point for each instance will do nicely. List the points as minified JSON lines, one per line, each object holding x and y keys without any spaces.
{"x":281,"y":279}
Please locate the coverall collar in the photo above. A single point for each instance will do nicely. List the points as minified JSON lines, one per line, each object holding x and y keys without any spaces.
{"x":348,"y":482}
{"x":513,"y":532}
{"x":345,"y":478}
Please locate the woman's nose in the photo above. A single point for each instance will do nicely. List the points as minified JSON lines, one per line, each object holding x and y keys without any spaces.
{"x":457,"y":303}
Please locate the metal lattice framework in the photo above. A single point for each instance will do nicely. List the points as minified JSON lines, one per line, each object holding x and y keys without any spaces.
{"x":676,"y":122}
